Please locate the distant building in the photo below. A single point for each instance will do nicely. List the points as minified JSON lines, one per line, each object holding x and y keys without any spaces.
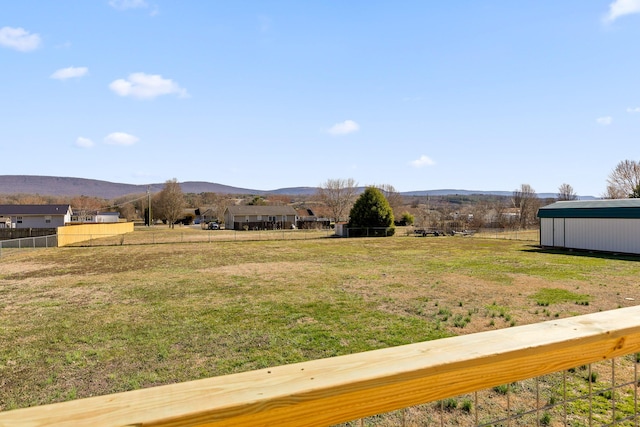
{"x":96,"y":218}
{"x":307,"y":219}
{"x":34,"y":216}
{"x":250,"y":217}
{"x":598,"y":225}
{"x":206,"y":213}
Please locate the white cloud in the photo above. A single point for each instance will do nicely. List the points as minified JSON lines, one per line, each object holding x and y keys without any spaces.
{"x":348,"y":126}
{"x":120,"y":138}
{"x":620,"y":8}
{"x":128,"y":4}
{"x":19,"y":39}
{"x":146,"y":86}
{"x":84,"y":142}
{"x":70,"y":72}
{"x":633,"y":110}
{"x":604,"y":121}
{"x":422,"y":161}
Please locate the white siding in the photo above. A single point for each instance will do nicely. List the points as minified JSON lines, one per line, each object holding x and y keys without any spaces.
{"x":559,"y":232}
{"x":546,"y":231}
{"x":33,"y":221}
{"x":600,"y":234}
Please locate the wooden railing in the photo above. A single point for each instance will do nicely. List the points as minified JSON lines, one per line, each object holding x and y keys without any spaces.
{"x":328,"y":391}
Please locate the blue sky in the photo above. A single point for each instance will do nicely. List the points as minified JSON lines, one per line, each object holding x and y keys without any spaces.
{"x":465,"y":94}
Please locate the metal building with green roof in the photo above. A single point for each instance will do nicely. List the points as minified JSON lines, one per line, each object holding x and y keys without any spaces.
{"x":598,"y":225}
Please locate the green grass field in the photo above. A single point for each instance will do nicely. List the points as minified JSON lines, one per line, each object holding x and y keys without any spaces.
{"x":85,"y":321}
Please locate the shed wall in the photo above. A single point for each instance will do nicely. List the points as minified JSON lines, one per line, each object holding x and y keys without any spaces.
{"x":599,"y":234}
{"x":559,"y":232}
{"x":546,"y":232}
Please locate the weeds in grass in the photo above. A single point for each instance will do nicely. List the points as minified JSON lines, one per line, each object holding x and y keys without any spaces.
{"x":546,"y":296}
{"x":545,"y":419}
{"x":501,"y":389}
{"x":450,"y":404}
{"x":460,"y":321}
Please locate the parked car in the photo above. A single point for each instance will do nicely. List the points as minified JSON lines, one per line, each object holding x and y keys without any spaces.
{"x":213,"y":226}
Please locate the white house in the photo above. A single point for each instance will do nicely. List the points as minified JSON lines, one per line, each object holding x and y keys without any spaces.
{"x":598,"y":225}
{"x":34,"y":216}
{"x":96,"y":218}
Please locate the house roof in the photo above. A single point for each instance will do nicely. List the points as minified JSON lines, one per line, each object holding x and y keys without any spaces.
{"x":614,"y":208}
{"x":203,"y":210}
{"x":34,"y":209}
{"x":261,"y":210}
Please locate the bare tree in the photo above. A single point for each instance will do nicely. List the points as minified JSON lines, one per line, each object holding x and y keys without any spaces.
{"x":84,"y":206}
{"x":526,"y":200}
{"x":565,"y":192}
{"x":613,"y":193}
{"x":338,"y":195}
{"x":170,"y":202}
{"x":623,"y":180}
{"x":393,"y":197}
{"x":499,"y":208}
{"x":216,"y":204}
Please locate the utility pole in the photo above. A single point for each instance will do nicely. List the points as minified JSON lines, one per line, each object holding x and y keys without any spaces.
{"x":149,"y":203}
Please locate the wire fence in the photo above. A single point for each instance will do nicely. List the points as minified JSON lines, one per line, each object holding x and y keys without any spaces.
{"x":509,"y":234}
{"x":13,"y":245}
{"x":599,"y":394}
{"x":194,"y":235}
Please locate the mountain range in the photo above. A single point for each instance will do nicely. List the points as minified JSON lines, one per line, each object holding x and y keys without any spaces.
{"x":70,"y":187}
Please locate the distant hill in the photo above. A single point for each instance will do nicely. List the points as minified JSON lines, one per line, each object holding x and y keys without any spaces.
{"x":64,"y":186}
{"x":449,"y":192}
{"x":70,"y":187}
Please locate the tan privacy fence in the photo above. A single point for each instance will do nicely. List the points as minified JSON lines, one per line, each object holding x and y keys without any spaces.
{"x":71,"y":234}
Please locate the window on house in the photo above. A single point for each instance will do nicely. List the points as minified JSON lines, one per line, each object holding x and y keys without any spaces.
{"x":19,"y":220}
{"x":47,"y":219}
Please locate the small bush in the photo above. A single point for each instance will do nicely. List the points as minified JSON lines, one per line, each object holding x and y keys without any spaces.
{"x":501,"y":389}
{"x":450,"y":404}
{"x":445,"y":312}
{"x":460,"y":322}
{"x":545,"y":419}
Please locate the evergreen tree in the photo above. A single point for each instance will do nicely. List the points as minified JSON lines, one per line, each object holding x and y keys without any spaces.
{"x":371,"y":210}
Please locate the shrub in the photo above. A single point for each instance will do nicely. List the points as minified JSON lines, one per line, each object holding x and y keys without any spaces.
{"x":545,"y":419}
{"x":406,"y":219}
{"x":501,"y":389}
{"x":371,"y":211}
{"x":450,"y":404}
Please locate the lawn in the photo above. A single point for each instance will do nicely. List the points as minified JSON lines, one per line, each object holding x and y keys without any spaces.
{"x":85,"y":321}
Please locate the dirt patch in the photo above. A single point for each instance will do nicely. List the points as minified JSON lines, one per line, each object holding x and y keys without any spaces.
{"x":18,"y":268}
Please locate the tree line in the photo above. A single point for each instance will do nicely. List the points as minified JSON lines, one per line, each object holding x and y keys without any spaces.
{"x":336,"y":200}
